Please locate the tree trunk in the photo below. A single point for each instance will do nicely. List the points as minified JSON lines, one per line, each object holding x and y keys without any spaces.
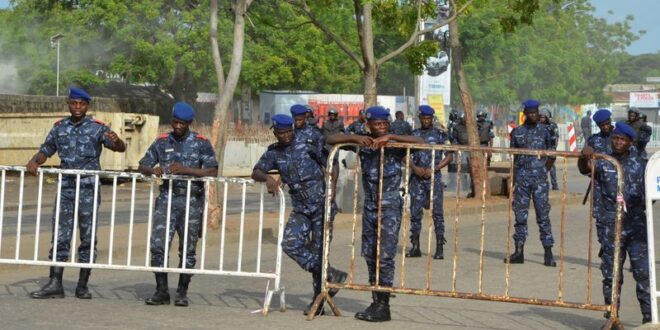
{"x":370,"y":87}
{"x":478,"y":169}
{"x":226,"y":89}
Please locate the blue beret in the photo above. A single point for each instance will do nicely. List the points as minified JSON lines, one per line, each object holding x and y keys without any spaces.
{"x":79,"y":94}
{"x":426,"y":110}
{"x":298,"y":110}
{"x":377,"y":113}
{"x":183,"y":111}
{"x":625,"y":130}
{"x":602,"y":115}
{"x":531,"y":104}
{"x":282,"y":121}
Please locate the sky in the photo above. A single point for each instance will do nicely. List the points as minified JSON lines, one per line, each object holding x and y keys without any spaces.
{"x":644,"y":11}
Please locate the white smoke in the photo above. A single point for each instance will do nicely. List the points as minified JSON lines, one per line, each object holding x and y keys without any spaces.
{"x":9,"y":80}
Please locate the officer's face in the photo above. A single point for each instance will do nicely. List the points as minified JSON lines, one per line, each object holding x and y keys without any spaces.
{"x":379,"y":127}
{"x":606,"y":126}
{"x":426,"y":121}
{"x":299,"y":121}
{"x":332,"y":116}
{"x":284,"y":136}
{"x":179,"y":127}
{"x":399,"y":116}
{"x":481,"y":118}
{"x":543,"y":119}
{"x":532,"y":116}
{"x":78,"y":108}
{"x":632,"y":116}
{"x":621,"y":144}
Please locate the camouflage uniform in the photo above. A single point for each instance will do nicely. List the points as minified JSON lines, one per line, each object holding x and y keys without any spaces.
{"x":400,"y":127}
{"x":357,"y":127}
{"x":391,"y":208}
{"x":420,"y":188}
{"x":531,"y":181}
{"x":633,"y":235}
{"x":601,"y":143}
{"x":79,"y":147}
{"x":300,"y":165}
{"x":192,"y":150}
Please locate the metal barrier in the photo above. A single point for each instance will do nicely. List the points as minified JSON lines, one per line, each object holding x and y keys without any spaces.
{"x":123,"y":239}
{"x":652,"y":177}
{"x":479,"y":294}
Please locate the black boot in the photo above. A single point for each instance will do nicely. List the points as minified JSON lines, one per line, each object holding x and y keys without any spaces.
{"x":379,"y":311}
{"x":646,"y":318}
{"x":439,"y":249}
{"x":414,"y":252}
{"x":162,"y":295}
{"x":363,"y":315}
{"x":548,"y":259}
{"x":335,"y":276}
{"x":181,"y":298}
{"x":81,"y":290}
{"x":54,"y":287}
{"x":518,"y":257}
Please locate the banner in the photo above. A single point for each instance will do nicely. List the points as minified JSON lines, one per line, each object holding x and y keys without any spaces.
{"x":437,"y":103}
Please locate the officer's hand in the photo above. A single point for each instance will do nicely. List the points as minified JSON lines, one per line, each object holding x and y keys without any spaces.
{"x":587,"y":152}
{"x":112,"y":136}
{"x":157,"y":171}
{"x":364,"y":140}
{"x":273,"y":185}
{"x":177,"y":168}
{"x":32,"y":167}
{"x":380,"y":142}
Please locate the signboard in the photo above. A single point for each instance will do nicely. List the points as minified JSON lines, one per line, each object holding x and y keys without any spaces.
{"x":644,"y":100}
{"x":438,"y":104}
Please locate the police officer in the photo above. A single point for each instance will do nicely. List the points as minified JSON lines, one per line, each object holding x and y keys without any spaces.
{"x":645,"y":132}
{"x":179,"y":152}
{"x":545,"y":118}
{"x":485,"y":130}
{"x":391,"y":204}
{"x":333,"y":125}
{"x":400,"y":126}
{"x":531,"y":181}
{"x":420,"y":184}
{"x":633,"y":234}
{"x":642,"y":130}
{"x":600,"y":142}
{"x":78,"y":141}
{"x":460,"y":136}
{"x":358,"y":126}
{"x":300,"y":165}
{"x":303,"y":130}
{"x":585,"y":125}
{"x":309,"y":115}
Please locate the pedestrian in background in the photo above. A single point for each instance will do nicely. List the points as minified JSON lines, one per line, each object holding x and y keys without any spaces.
{"x":400,"y":126}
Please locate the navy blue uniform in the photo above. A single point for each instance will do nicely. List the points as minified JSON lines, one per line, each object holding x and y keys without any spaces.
{"x":192,"y":150}
{"x":79,"y":146}
{"x":531,"y":181}
{"x":357,"y":127}
{"x":601,"y":143}
{"x":400,"y":127}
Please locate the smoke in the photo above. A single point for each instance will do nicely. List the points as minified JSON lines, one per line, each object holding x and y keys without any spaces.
{"x":9,"y":80}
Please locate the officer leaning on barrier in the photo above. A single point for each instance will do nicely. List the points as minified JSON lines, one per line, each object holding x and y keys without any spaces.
{"x":545,"y":118}
{"x":358,"y":126}
{"x":78,"y":141}
{"x":485,"y":130}
{"x":187,"y":153}
{"x":531,"y":182}
{"x":600,"y":142}
{"x":300,"y":164}
{"x":391,"y":204}
{"x":420,"y":184}
{"x":633,"y":234}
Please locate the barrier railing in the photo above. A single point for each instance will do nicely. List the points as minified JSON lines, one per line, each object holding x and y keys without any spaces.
{"x":480,"y":293}
{"x":652,"y":188}
{"x":125,"y":227}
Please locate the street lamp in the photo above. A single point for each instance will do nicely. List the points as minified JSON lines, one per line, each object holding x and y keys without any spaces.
{"x":55,"y":42}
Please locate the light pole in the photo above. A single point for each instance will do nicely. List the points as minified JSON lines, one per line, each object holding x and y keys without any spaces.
{"x":55,"y":42}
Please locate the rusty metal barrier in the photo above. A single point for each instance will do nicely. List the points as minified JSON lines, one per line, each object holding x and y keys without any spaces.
{"x":479,"y":294}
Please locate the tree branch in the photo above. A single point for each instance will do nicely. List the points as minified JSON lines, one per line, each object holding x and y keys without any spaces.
{"x":413,"y":37}
{"x":213,"y":36}
{"x":302,"y":5}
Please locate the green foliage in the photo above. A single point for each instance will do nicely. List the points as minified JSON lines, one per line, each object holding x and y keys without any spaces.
{"x":635,"y":69}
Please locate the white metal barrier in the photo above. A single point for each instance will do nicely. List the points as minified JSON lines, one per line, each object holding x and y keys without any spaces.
{"x":652,"y":177}
{"x":217,"y":255}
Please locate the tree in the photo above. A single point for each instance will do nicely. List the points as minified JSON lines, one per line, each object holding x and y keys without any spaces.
{"x":635,"y":69}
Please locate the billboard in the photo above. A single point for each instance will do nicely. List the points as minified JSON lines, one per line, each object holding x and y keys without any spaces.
{"x":644,"y":100}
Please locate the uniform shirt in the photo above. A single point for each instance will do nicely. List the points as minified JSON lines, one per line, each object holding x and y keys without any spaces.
{"x":645,"y":132}
{"x":485,"y":129}
{"x":601,"y":142}
{"x":78,"y":145}
{"x":422,"y":158}
{"x":332,"y":127}
{"x":536,"y":137}
{"x":400,"y":127}
{"x":370,"y":162}
{"x":459,"y":134}
{"x":633,"y":193}
{"x":357,"y":127}
{"x":311,"y":135}
{"x":300,"y":165}
{"x":192,"y":150}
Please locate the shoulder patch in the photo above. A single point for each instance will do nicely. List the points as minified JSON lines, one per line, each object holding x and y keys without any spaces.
{"x":200,"y":136}
{"x":163,"y":136}
{"x":58,"y":122}
{"x":99,"y":122}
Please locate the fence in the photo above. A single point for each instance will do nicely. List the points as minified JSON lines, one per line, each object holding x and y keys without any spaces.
{"x":426,"y":289}
{"x":128,"y":221}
